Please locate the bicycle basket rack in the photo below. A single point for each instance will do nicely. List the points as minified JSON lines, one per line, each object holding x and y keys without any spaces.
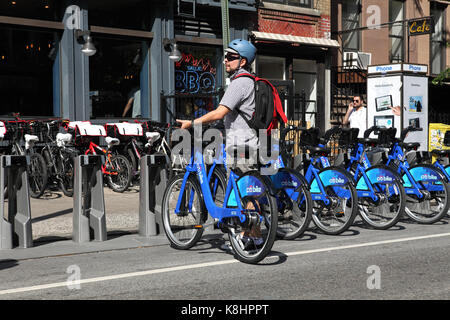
{"x":386,"y":136}
{"x":310,"y":137}
{"x":124,"y":131}
{"x":84,"y":132}
{"x":348,"y":137}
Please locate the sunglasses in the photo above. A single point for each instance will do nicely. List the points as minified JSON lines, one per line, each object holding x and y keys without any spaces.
{"x":355,"y":100}
{"x":231,"y":57}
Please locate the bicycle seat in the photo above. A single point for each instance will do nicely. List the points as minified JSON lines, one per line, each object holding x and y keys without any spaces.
{"x":31,"y":138}
{"x":112,"y":141}
{"x":409,"y":145}
{"x":441,"y":153}
{"x":62,"y":139}
{"x":152,"y":136}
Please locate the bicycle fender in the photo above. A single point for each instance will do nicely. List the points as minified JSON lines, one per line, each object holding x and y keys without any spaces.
{"x":286,"y":179}
{"x":332,"y":176}
{"x":447,"y":171}
{"x":378,"y":174}
{"x":427,"y":172}
{"x":249,"y":186}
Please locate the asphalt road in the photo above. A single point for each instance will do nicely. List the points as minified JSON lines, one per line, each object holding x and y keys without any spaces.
{"x":410,"y":261}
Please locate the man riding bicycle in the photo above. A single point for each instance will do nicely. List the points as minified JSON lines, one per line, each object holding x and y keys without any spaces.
{"x":240,"y":95}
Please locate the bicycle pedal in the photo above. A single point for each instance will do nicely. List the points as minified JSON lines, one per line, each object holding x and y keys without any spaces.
{"x":339,"y":214}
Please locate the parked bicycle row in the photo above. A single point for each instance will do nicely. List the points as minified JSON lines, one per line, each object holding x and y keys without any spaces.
{"x":282,"y":205}
{"x":53,"y":144}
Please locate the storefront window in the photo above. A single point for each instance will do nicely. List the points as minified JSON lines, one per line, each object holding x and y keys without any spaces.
{"x":44,"y":9}
{"x":28,"y":62}
{"x":115,"y":72}
{"x":197,"y":80}
{"x":128,"y":14}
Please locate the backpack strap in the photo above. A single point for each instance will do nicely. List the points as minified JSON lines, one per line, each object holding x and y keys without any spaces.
{"x":247,"y":75}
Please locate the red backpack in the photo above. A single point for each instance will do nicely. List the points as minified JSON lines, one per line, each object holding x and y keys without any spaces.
{"x":268,"y":108}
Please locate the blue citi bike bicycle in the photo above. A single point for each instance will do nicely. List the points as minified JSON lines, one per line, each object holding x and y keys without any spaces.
{"x":248,"y":204}
{"x":381,"y":195}
{"x":289,"y":187}
{"x":332,"y":188}
{"x":426,"y":186}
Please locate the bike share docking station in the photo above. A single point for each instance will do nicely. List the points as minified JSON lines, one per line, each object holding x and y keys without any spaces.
{"x":16,"y":231}
{"x":153,"y":181}
{"x":89,"y":221}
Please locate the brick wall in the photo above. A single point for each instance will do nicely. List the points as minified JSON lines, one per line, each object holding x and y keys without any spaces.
{"x":304,"y":25}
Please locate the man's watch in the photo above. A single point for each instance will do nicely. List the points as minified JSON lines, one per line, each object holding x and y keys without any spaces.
{"x":192,"y":123}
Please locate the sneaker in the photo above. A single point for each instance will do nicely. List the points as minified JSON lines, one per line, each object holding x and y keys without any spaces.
{"x":249,"y":243}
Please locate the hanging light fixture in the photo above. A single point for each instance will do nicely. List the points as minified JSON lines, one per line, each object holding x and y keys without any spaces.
{"x":170,"y":45}
{"x":88,"y":47}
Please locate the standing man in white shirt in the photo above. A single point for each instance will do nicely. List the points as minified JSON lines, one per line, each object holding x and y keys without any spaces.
{"x":357,"y":116}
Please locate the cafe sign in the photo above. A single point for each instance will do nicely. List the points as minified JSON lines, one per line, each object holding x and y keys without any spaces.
{"x":422,"y":26}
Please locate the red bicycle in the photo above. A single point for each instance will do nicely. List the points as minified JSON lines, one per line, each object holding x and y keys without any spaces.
{"x":117,"y":170}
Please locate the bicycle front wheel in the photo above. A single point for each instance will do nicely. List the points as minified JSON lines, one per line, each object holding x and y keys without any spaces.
{"x":386,"y":211}
{"x":37,"y":175}
{"x":294,"y":203}
{"x":252,"y":241}
{"x":180,"y":227}
{"x":118,"y":175}
{"x":336,"y":213}
{"x":434,"y":204}
{"x":66,"y":170}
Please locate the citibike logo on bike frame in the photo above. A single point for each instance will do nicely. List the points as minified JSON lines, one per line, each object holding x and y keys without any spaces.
{"x":384,"y":179}
{"x":337,"y":180}
{"x":253,"y":189}
{"x":215,"y":138}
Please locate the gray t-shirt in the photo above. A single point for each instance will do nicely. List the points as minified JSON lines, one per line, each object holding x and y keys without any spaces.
{"x":240,"y":94}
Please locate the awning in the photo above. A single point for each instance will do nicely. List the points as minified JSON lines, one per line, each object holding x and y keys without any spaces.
{"x":319,"y":42}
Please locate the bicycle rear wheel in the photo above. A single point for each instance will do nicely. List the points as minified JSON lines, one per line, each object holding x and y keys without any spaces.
{"x":251,"y":243}
{"x":180,"y":227}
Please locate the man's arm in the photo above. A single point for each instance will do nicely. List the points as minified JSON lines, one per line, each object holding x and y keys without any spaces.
{"x":347,"y":115}
{"x":211,"y":116}
{"x":127,"y":107}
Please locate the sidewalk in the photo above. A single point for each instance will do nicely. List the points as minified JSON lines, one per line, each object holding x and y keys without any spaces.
{"x":52,"y":226}
{"x":52,"y":213}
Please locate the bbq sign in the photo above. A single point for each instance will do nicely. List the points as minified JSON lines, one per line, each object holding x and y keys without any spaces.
{"x":418,"y":27}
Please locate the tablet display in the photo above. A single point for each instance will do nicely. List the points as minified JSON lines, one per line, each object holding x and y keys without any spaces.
{"x":384,"y":121}
{"x":383,"y":103}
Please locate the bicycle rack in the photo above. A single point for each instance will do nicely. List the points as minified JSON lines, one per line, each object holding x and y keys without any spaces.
{"x":16,"y":231}
{"x":89,"y":221}
{"x":153,"y":180}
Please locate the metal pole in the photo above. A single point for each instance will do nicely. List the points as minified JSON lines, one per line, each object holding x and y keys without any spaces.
{"x":225,"y":32}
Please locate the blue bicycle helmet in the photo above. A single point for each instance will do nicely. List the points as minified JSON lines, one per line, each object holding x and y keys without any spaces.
{"x":244,"y":48}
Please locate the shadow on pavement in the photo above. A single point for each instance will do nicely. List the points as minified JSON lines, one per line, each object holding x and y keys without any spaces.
{"x":9,"y":263}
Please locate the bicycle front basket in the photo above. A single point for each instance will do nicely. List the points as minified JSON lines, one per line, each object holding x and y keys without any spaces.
{"x":310,"y":137}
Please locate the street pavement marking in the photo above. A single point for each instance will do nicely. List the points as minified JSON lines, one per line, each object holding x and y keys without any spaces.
{"x":208,"y":264}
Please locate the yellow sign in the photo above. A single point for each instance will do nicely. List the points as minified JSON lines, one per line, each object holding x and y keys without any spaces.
{"x":418,"y":27}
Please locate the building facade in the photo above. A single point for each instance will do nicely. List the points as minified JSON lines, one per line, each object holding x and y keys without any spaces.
{"x":43,"y":71}
{"x":378,"y":32}
{"x":295,"y":51}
